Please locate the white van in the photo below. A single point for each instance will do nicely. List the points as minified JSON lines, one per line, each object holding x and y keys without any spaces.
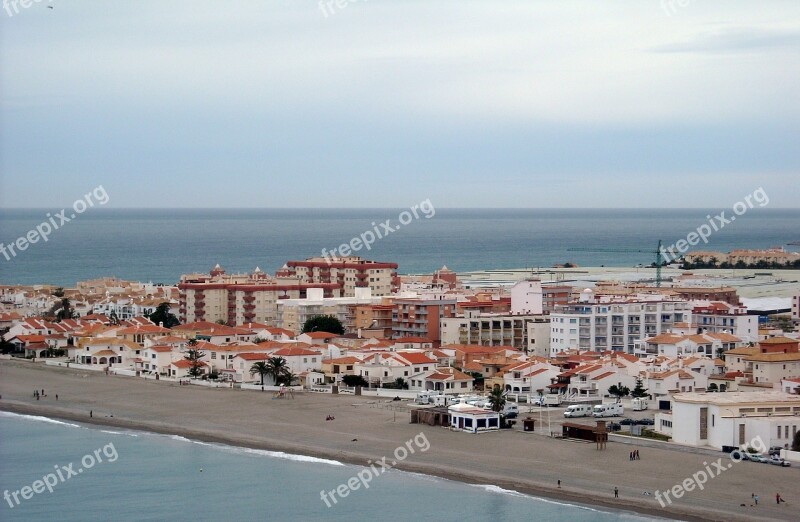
{"x":578,"y":410}
{"x":608,"y":410}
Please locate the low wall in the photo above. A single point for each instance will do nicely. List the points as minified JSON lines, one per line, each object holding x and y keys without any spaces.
{"x":208,"y":384}
{"x":66,"y":364}
{"x":250,"y":386}
{"x":791,"y":456}
{"x":389,"y":393}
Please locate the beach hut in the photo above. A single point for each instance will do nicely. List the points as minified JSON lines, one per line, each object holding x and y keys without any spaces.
{"x":465,"y":417}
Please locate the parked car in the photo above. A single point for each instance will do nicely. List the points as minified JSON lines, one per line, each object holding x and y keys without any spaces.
{"x":614,"y":426}
{"x":627,"y":422}
{"x":774,"y":450}
{"x":780,"y":462}
{"x":647,"y":422}
{"x":761,"y":458}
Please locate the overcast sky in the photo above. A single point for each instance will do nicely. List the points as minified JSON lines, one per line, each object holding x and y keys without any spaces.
{"x":384,"y":103}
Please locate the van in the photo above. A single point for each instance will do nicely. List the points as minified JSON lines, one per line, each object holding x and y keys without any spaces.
{"x":578,"y":410}
{"x":510,"y":410}
{"x":608,"y":410}
{"x":638,"y":404}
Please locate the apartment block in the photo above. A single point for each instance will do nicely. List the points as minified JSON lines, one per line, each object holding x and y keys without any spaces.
{"x":241,"y":298}
{"x":614,"y":324}
{"x":413,"y":317}
{"x":347,"y":272}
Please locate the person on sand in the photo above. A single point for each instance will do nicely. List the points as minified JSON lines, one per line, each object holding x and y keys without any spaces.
{"x":616,"y":492}
{"x":755,"y":499}
{"x":559,"y":483}
{"x":778,"y":498}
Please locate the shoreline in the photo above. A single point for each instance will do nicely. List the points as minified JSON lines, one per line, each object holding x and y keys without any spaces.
{"x":529,"y":464}
{"x":554,"y":494}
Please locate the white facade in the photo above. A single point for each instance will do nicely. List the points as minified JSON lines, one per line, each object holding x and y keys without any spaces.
{"x":735,"y":418}
{"x":526,"y":298}
{"x":796,"y":306}
{"x":492,"y":329}
{"x":613,"y":325}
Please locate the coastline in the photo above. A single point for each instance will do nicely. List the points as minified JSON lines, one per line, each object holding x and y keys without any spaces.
{"x":554,"y":495}
{"x":525,"y":463}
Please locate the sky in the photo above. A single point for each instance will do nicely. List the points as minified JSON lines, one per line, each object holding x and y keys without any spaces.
{"x":386,"y":103}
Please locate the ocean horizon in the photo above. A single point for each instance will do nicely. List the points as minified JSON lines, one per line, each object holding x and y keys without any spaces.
{"x":159,"y":245}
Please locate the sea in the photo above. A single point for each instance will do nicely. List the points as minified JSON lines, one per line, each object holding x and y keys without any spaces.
{"x":158,"y":245}
{"x":110,"y":474}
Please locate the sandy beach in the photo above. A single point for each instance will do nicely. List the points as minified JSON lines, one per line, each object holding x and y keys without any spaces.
{"x":510,"y":459}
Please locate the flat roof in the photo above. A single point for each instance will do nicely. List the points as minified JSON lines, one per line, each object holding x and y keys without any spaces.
{"x":737,"y":398}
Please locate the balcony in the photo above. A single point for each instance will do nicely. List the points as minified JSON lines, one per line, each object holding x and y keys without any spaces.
{"x":249,"y":298}
{"x":249,"y":307}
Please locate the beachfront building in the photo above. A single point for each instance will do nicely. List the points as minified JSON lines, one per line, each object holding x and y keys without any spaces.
{"x":468,"y":418}
{"x":349,"y":273}
{"x":796,"y":307}
{"x":525,"y":377}
{"x":293,"y":313}
{"x":418,"y":317}
{"x":613,"y":323}
{"x":241,"y":298}
{"x":386,"y":367}
{"x":443,"y":380}
{"x":523,"y":332}
{"x":733,"y":418}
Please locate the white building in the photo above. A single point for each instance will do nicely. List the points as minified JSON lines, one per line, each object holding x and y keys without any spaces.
{"x":293,"y":313}
{"x":734,"y":418}
{"x":613,"y":324}
{"x":796,"y":307}
{"x":465,"y":417}
{"x":526,"y":297}
{"x":719,"y":317}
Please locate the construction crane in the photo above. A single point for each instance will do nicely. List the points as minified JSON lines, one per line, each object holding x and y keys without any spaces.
{"x":659,"y":255}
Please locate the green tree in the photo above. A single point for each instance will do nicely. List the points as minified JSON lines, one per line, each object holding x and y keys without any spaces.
{"x":277,"y":368}
{"x":619,"y":391}
{"x":58,"y":292}
{"x":354,"y":380}
{"x":497,"y":399}
{"x":222,"y":321}
{"x":289,"y":378}
{"x":261,"y":369}
{"x":721,"y":353}
{"x":194,"y":356}
{"x":639,"y":390}
{"x":65,"y":311}
{"x":113,"y":317}
{"x":162,"y":315}
{"x":323,"y":323}
{"x":712,"y":387}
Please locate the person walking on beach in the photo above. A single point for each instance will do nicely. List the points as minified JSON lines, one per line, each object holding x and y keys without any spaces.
{"x":637,"y":454}
{"x":90,"y":414}
{"x":755,"y":498}
{"x":559,"y":487}
{"x":56,"y":396}
{"x":616,"y":492}
{"x":778,"y":498}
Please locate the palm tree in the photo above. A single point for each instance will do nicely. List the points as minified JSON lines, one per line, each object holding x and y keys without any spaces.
{"x":720,"y":352}
{"x":289,"y":377}
{"x":261,"y":369}
{"x":497,"y":399}
{"x":277,"y":368}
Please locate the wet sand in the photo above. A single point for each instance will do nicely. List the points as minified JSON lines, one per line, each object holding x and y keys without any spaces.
{"x":513,"y":460}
